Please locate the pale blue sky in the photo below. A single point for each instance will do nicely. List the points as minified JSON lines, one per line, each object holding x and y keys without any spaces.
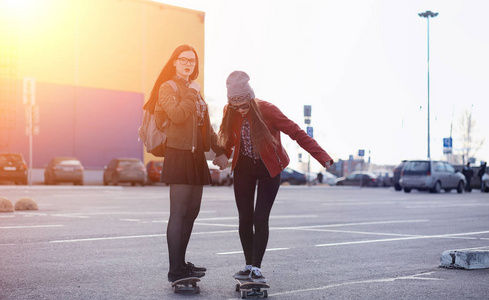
{"x":361,"y":64}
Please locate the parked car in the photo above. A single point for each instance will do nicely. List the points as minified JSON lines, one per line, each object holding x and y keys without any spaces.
{"x":397,"y":175}
{"x":64,"y":169}
{"x":125,"y":170}
{"x":431,"y":175}
{"x":359,"y":178}
{"x":13,"y":168}
{"x":220,"y":177}
{"x":327,"y":178}
{"x":292,"y":177}
{"x":153,"y":170}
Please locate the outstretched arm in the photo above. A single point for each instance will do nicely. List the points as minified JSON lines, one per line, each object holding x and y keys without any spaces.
{"x":279,"y":121}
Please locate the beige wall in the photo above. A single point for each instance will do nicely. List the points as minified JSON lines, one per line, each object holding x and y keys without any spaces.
{"x":107,"y":44}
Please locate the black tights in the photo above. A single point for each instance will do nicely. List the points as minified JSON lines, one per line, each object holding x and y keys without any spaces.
{"x":246,"y":175}
{"x":184,"y":208}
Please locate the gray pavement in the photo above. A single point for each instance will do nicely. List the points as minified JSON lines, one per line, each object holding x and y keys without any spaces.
{"x":325,"y":243}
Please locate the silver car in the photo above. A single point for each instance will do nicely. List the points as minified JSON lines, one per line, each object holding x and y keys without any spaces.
{"x":64,"y":169}
{"x":121,"y":170}
{"x":431,"y":175}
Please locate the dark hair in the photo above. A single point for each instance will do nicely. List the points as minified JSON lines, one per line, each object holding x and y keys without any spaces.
{"x":260,"y":134}
{"x":168,"y":72}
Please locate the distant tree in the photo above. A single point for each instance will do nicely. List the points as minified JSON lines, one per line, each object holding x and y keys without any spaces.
{"x":471,"y":144}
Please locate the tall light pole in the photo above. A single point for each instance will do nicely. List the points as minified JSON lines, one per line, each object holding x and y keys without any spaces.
{"x":427,"y":14}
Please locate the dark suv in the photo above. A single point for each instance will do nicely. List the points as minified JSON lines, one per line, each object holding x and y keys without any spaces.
{"x":13,"y":168}
{"x":397,"y":175}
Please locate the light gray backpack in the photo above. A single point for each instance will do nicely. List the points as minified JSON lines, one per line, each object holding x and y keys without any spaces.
{"x":154,"y":138}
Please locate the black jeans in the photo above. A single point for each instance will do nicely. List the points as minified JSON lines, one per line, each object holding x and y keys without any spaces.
{"x":247,"y":174}
{"x":185,"y":203}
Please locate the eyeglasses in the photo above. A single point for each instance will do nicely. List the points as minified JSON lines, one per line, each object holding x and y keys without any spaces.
{"x":243,"y":106}
{"x":184,"y":61}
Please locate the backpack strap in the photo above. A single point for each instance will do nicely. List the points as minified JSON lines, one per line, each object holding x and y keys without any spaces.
{"x":173,"y":84}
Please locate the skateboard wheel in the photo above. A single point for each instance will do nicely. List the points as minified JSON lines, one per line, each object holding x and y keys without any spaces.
{"x":265,"y":294}
{"x":243,"y":295}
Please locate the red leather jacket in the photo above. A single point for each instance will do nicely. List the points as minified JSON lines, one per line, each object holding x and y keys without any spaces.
{"x":275,"y":157}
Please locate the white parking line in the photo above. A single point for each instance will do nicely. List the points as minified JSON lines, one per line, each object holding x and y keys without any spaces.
{"x":352,"y":224}
{"x":213,"y":224}
{"x":381,"y":280}
{"x":70,"y":216}
{"x":31,"y":226}
{"x":271,"y":217}
{"x":368,"y":241}
{"x":362,"y":232}
{"x":447,"y":205}
{"x":239,"y":252}
{"x":32,"y":214}
{"x":108,"y":238}
{"x":358,"y":203}
{"x":454,"y":235}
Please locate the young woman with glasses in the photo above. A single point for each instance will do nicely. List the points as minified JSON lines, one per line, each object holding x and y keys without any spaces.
{"x":176,"y":97}
{"x":252,"y":128}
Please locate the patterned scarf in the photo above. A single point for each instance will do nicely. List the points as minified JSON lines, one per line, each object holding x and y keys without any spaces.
{"x":246,"y":145}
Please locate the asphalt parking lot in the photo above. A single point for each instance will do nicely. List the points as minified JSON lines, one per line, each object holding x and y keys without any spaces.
{"x":96,"y":242}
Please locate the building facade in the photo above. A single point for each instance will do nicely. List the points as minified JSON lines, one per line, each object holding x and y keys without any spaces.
{"x":94,"y":63}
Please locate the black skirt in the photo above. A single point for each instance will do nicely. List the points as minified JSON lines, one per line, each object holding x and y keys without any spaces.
{"x":185,"y":167}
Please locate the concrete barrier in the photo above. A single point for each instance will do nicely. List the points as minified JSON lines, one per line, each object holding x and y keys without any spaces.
{"x":6,"y":205}
{"x":465,"y":259}
{"x":26,"y":203}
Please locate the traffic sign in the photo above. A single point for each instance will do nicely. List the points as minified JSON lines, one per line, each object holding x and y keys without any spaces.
{"x":447,"y":142}
{"x":310,"y":131}
{"x":307,"y":114}
{"x":447,"y":145}
{"x":361,"y":152}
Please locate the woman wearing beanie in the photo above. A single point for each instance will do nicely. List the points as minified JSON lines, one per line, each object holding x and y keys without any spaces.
{"x":176,"y":98}
{"x":252,"y":128}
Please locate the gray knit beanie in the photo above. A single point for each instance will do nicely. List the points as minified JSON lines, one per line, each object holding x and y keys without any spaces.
{"x":239,"y":89}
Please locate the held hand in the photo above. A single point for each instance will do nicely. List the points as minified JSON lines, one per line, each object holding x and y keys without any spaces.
{"x":327,"y":165}
{"x":221,"y":161}
{"x":194,"y":85}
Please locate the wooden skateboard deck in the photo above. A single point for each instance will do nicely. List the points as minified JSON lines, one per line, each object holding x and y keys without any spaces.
{"x":250,"y":288}
{"x":186,"y":284}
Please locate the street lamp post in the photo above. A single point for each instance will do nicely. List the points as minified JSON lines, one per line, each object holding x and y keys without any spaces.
{"x":427,"y":14}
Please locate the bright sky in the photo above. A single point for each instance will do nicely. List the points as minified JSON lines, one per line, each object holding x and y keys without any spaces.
{"x":361,"y":64}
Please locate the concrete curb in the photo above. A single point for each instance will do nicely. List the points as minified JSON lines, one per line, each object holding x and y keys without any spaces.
{"x":465,"y":259}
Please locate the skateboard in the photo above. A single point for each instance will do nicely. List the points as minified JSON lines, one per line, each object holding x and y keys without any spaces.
{"x":186,"y":284}
{"x":249,"y":288}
